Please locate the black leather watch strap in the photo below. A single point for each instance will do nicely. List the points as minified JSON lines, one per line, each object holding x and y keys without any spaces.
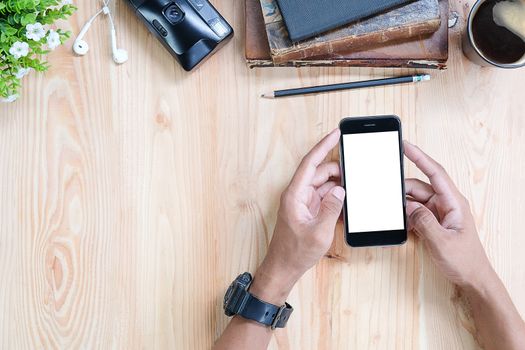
{"x":265,"y":313}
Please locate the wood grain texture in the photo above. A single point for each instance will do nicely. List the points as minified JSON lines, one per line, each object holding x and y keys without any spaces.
{"x":130,"y":196}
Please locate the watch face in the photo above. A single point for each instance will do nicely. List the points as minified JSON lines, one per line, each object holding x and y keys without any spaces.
{"x":227,"y":297}
{"x":244,"y":279}
{"x":236,"y":291}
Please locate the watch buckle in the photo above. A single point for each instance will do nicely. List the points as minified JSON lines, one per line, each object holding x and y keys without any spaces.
{"x":277,"y":317}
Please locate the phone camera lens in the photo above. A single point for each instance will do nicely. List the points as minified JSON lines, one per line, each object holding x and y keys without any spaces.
{"x":173,"y":14}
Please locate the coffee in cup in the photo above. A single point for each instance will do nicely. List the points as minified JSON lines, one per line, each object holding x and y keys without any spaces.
{"x":496,"y":33}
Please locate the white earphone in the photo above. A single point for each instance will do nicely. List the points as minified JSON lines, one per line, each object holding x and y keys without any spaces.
{"x":80,"y":47}
{"x":119,"y":55}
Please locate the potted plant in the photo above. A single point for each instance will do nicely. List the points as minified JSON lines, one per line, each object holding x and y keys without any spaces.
{"x":27,"y":34}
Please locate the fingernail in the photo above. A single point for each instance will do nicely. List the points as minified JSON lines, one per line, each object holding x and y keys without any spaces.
{"x":339,"y":193}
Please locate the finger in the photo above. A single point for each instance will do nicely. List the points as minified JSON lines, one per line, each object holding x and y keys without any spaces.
{"x":326,"y":187}
{"x":411,"y":206}
{"x":441,"y":182}
{"x":306,"y":170}
{"x":331,"y":207}
{"x":325,"y":171}
{"x":419,"y":190}
{"x":425,"y":223}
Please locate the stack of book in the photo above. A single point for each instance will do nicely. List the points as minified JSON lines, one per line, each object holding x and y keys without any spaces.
{"x":407,"y":34}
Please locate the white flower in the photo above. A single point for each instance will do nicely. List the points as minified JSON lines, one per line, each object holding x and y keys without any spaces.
{"x":19,"y":49}
{"x":53,"y":39}
{"x":22,"y":72}
{"x":9,"y":99}
{"x":35,"y":31}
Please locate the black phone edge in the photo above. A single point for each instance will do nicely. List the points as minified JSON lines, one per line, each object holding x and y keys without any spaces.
{"x":374,"y":238}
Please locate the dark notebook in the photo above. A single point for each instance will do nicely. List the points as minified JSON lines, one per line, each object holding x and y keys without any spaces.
{"x":305,"y":19}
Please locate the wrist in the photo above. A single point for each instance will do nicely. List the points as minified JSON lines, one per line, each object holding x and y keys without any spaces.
{"x":481,"y":281}
{"x":272,"y":286}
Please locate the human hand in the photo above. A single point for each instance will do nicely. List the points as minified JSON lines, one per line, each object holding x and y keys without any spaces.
{"x":441,"y":216}
{"x":309,"y":210}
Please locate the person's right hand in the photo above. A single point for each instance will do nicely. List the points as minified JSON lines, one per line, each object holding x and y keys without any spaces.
{"x":441,"y":216}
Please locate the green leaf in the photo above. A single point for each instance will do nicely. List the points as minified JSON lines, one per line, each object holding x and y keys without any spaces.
{"x":8,"y":30}
{"x":14,"y":16}
{"x":28,"y":18}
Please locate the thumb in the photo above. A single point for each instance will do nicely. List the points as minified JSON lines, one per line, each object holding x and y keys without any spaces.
{"x":423,"y":221}
{"x":331,"y":206}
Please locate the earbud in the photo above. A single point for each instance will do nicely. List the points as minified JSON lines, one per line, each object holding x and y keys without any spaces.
{"x":80,"y":47}
{"x":119,"y":55}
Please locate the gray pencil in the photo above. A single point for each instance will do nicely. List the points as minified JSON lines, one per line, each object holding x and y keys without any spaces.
{"x":347,"y":86}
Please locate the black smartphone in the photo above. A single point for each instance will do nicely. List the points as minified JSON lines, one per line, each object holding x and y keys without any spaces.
{"x":371,"y":151}
{"x":191,"y":30}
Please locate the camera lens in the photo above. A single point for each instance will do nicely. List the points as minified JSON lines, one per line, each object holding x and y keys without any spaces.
{"x":173,"y":14}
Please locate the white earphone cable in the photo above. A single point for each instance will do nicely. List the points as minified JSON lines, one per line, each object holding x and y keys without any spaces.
{"x":106,"y":5}
{"x":80,"y":47}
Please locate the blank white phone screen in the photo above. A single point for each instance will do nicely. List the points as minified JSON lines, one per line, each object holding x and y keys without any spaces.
{"x":374,"y":196}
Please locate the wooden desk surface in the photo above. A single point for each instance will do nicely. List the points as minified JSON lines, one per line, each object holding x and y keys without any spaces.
{"x":130,"y":196}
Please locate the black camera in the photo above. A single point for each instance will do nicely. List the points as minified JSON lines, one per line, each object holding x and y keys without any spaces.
{"x":191,"y":30}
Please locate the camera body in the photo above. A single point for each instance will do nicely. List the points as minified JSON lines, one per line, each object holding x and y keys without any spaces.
{"x":191,"y":30}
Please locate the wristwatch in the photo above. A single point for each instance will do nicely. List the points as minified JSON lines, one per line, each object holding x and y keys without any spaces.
{"x":238,"y":301}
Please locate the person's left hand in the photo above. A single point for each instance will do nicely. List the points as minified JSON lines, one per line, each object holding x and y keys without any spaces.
{"x":310,"y":208}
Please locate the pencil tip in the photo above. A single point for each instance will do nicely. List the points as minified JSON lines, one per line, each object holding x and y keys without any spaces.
{"x":267,"y":95}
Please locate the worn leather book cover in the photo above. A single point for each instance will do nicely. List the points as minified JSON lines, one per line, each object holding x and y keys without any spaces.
{"x":305,"y":19}
{"x":416,"y":18}
{"x":422,"y":51}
